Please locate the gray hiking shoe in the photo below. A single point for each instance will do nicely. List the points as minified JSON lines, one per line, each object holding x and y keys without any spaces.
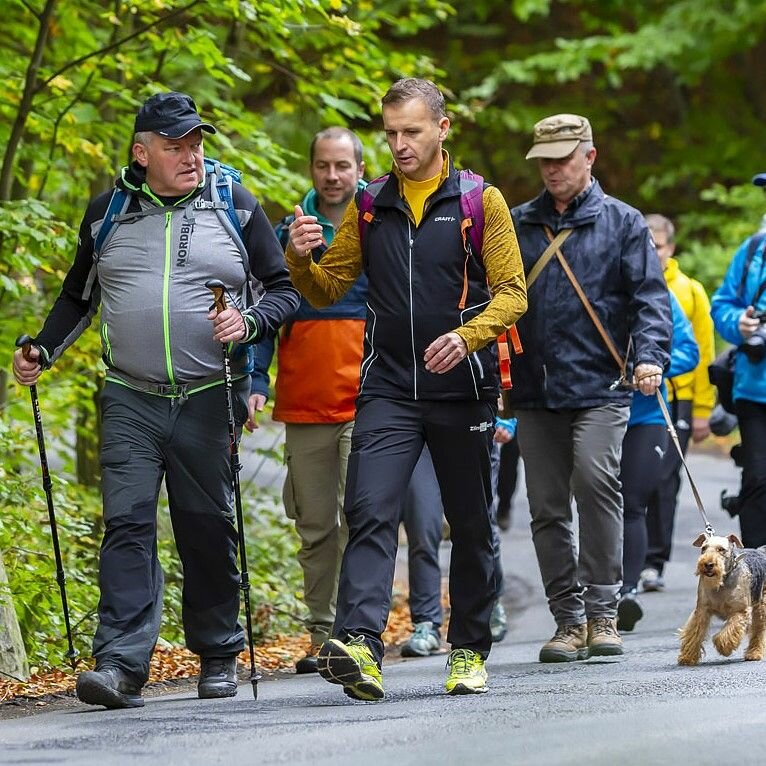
{"x":425,"y":640}
{"x":569,"y":643}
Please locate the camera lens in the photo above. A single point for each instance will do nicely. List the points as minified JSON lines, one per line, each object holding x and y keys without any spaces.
{"x":754,"y":347}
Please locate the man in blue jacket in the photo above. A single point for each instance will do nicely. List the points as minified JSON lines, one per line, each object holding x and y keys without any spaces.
{"x":571,"y":398}
{"x":739,"y":312}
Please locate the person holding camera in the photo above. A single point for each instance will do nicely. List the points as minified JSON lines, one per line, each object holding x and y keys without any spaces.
{"x":738,"y":309}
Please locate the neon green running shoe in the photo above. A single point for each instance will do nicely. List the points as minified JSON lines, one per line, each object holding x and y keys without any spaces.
{"x":467,"y":674}
{"x":353,"y":666}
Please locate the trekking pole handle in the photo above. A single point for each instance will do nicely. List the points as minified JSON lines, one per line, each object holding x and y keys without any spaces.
{"x":218,"y":289}
{"x":24,"y":342}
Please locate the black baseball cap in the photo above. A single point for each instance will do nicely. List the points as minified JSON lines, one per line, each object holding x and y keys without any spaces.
{"x":760,"y":179}
{"x":171,"y":115}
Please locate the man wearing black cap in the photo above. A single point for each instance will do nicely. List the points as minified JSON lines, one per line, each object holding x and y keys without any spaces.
{"x":738,"y":308}
{"x":163,"y":407}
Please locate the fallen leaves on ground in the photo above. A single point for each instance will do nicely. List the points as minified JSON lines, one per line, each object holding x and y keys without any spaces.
{"x":173,"y":663}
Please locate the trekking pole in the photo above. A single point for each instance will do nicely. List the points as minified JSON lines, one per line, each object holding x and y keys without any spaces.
{"x":24,"y":342}
{"x":219,"y":304}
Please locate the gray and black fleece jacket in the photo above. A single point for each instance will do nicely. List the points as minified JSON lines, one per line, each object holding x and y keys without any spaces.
{"x":150,"y":283}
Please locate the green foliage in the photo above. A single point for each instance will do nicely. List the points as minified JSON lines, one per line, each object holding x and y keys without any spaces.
{"x":676,"y":92}
{"x":27,"y":550}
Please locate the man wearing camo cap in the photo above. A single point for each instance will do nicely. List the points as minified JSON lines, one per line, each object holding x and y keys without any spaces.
{"x":571,"y":398}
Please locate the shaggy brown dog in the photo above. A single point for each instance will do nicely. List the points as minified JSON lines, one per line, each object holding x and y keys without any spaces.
{"x":730,"y":587}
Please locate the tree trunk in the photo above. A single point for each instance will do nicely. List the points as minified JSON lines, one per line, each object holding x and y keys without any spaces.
{"x":88,"y":442}
{"x":13,"y":656}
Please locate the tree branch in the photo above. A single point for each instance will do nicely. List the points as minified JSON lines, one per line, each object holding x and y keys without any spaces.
{"x":56,"y":124}
{"x":25,"y":105}
{"x":117,"y":43}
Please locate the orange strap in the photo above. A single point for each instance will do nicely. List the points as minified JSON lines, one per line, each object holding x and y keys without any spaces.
{"x":504,"y":360}
{"x":504,"y":354}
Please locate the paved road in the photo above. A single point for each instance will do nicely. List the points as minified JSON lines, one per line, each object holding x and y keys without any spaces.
{"x":639,"y":709}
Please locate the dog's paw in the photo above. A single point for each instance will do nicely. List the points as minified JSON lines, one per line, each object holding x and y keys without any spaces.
{"x":723,"y":645}
{"x":688,"y":659}
{"x":754,"y":655}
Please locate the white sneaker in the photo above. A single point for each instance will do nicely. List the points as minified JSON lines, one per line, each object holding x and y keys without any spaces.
{"x":651,"y":580}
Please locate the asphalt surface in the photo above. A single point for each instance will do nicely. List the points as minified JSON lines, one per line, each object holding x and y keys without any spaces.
{"x":638,"y":709}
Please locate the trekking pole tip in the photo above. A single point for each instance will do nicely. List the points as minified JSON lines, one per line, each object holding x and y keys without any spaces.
{"x":72,"y":655}
{"x":254,"y":681}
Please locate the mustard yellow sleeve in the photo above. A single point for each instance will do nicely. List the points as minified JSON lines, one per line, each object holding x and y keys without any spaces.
{"x":505,"y":275}
{"x":703,"y":398}
{"x":326,"y":282}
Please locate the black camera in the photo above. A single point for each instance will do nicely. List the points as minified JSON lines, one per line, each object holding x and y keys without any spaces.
{"x":730,"y":503}
{"x":754,"y":347}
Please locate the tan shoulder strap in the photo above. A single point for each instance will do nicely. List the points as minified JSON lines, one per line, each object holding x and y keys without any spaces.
{"x":548,"y":253}
{"x":608,"y":342}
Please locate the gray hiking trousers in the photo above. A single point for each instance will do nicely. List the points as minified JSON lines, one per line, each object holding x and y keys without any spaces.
{"x":147,"y":438}
{"x":576,"y":453}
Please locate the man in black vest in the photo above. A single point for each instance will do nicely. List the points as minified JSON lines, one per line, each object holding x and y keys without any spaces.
{"x":429,"y":376}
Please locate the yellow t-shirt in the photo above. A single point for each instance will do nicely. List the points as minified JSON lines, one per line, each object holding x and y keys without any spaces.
{"x":324,"y":283}
{"x":417,"y":192}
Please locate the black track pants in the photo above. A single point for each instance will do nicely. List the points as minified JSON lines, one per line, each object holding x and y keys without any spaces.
{"x":661,"y":512}
{"x":387,"y":441}
{"x":643,"y":451}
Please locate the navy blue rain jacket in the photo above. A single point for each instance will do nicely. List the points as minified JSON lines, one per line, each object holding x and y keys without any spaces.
{"x":566,"y":364}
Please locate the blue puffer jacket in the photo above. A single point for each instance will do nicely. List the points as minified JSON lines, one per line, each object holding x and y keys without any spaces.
{"x":727,"y":305}
{"x":684,"y":357}
{"x":565,"y":364}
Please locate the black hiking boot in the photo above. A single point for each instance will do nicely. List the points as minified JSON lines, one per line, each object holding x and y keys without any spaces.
{"x":217,"y":677}
{"x":108,"y":686}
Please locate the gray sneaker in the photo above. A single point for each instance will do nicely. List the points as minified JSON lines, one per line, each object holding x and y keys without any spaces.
{"x":498,"y":623}
{"x":425,"y":640}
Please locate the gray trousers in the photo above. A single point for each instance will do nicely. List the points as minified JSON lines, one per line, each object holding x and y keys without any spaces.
{"x":576,"y":453}
{"x":147,"y":438}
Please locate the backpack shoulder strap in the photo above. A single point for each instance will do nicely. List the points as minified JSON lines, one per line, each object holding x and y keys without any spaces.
{"x":366,"y":202}
{"x":118,"y":204}
{"x":472,"y":209}
{"x":222,"y":178}
{"x":755,"y":242}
